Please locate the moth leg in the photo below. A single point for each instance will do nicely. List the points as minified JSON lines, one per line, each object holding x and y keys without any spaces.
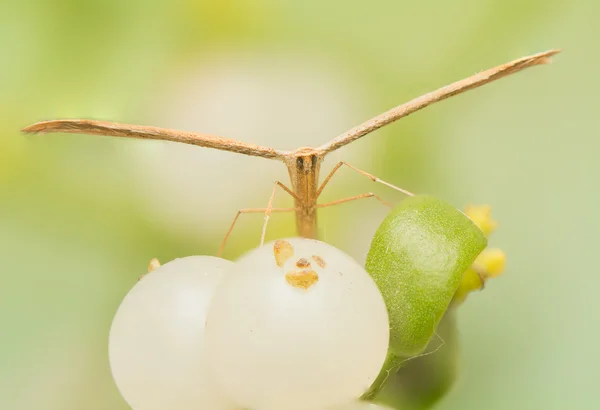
{"x":248,"y":211}
{"x":270,"y":208}
{"x":360,"y":171}
{"x":354,"y":198}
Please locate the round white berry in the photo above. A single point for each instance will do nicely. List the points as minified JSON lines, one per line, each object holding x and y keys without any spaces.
{"x":157,"y":343}
{"x":297,"y":324}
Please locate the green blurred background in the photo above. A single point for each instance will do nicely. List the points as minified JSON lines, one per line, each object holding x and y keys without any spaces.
{"x":81,"y":216}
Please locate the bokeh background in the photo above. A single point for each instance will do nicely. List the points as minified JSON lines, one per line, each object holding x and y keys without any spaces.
{"x":81,"y":216}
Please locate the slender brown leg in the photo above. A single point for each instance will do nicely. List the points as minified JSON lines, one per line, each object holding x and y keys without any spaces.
{"x":326,"y":181}
{"x":248,"y":211}
{"x":360,"y":171}
{"x":354,"y":198}
{"x":269,"y":208}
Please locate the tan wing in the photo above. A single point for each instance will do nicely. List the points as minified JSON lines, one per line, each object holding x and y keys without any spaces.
{"x":77,"y":126}
{"x":440,"y":94}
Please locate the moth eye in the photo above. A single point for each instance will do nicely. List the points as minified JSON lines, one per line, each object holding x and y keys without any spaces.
{"x":313,"y":158}
{"x":299,"y":163}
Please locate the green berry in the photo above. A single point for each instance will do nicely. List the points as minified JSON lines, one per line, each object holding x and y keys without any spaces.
{"x":417,"y":258}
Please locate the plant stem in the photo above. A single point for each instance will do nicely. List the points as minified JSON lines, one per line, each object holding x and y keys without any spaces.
{"x":390,"y":366}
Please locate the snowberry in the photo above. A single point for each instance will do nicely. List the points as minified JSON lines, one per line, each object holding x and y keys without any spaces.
{"x":298,"y":325}
{"x":157,"y":342}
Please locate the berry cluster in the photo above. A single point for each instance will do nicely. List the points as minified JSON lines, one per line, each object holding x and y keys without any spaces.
{"x":295,"y":324}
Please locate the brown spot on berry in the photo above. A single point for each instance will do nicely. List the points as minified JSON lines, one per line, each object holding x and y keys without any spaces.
{"x":302,"y":279}
{"x":282,"y":250}
{"x":303,"y":263}
{"x":319,"y":261}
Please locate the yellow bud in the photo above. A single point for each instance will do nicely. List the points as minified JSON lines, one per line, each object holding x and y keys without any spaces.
{"x":481,"y":216}
{"x":491,"y":262}
{"x":471,"y":282}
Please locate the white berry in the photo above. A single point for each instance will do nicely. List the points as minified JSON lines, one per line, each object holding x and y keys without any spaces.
{"x":157,"y":344}
{"x":296,"y":325}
